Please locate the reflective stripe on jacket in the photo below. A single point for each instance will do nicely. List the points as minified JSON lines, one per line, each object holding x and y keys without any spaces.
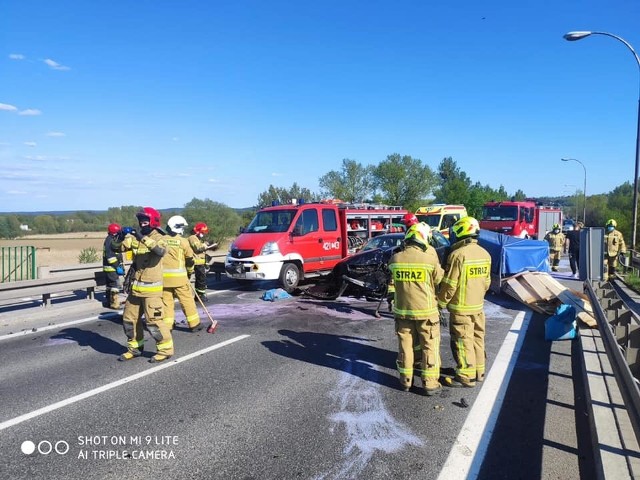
{"x":147,"y":264}
{"x":415,"y":274}
{"x":614,"y":242}
{"x":111,"y":254}
{"x":555,"y":241}
{"x":178,"y":259}
{"x":198,"y":249}
{"x":467,"y":278}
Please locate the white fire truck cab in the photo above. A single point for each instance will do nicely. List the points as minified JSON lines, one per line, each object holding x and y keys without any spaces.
{"x":291,"y":242}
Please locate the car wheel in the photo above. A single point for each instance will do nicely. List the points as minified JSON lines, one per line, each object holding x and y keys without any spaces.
{"x":289,"y":277}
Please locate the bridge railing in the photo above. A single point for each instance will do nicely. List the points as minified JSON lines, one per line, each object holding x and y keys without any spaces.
{"x":619,"y":331}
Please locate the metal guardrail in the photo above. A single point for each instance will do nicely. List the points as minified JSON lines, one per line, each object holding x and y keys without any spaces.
{"x":620,"y":333}
{"x":88,"y":276}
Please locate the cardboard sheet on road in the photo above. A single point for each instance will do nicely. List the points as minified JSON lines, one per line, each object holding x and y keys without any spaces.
{"x":543,"y":294}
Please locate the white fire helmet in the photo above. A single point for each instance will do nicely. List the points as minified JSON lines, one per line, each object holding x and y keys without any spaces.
{"x":176,"y":224}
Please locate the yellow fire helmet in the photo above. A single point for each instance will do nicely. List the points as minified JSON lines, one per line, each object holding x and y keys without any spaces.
{"x":611,"y":222}
{"x":418,"y":233}
{"x":556,"y":226}
{"x":466,"y":227}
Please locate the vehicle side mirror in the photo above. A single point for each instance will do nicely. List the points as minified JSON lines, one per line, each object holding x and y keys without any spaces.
{"x":241,"y":230}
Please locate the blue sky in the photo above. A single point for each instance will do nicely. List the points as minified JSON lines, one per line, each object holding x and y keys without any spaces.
{"x":157,"y":102}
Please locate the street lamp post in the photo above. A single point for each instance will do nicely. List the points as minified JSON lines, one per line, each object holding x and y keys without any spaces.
{"x":575,"y":195}
{"x":573,"y":36}
{"x":584,"y":189}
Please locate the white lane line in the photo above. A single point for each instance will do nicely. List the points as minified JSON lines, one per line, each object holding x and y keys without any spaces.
{"x":466,"y":456}
{"x":55,"y":326}
{"x":117,"y":383}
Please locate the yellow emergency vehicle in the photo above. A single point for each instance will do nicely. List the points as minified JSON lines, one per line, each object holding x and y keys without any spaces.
{"x":440,"y":216}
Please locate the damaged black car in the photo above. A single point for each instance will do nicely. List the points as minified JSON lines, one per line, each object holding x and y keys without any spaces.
{"x":366,"y":273}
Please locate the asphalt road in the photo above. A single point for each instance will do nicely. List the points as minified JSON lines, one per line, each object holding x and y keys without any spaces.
{"x":295,"y":388}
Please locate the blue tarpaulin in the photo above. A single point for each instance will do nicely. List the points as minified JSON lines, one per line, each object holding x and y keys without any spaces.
{"x":511,"y":255}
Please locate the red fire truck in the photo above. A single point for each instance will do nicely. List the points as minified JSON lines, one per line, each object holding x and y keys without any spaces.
{"x":291,"y":242}
{"x":520,"y":219}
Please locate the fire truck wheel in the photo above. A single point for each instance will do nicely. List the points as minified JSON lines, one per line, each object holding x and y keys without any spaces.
{"x":289,"y":277}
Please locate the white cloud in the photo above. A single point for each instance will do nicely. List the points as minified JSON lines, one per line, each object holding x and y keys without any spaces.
{"x":7,"y":107}
{"x":30,"y":112}
{"x":30,"y":144}
{"x":175,"y":139}
{"x":16,"y":56}
{"x":38,"y":158}
{"x":213,"y":180}
{"x":55,"y":134}
{"x":55,"y":65}
{"x":277,"y":174}
{"x":16,"y":192}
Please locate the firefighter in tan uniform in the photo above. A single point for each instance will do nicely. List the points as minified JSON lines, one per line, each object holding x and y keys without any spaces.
{"x":614,"y":246}
{"x":467,"y":279}
{"x":177,"y":265}
{"x":146,"y":289}
{"x":415,"y":273}
{"x":199,"y":248}
{"x":555,"y":238}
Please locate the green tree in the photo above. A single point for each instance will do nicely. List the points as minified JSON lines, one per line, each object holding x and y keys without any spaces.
{"x":479,"y":195}
{"x":10,"y":227}
{"x":354,"y":183}
{"x":454,"y":183}
{"x":403,"y":180}
{"x":223,"y":221}
{"x":519,"y":196}
{"x":44,"y":224}
{"x":283,"y":195}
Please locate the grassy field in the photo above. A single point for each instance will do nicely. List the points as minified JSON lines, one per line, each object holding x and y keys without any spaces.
{"x":63,"y":249}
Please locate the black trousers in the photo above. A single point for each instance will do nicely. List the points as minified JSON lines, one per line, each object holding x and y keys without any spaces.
{"x":201,"y":278}
{"x":574,"y":260}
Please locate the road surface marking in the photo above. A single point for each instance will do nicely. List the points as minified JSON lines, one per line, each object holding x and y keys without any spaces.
{"x":469,"y":449}
{"x":117,"y":383}
{"x":56,"y":326}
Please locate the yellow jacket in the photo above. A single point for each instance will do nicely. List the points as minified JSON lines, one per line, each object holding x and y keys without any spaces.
{"x":467,"y":278}
{"x":614,"y":243}
{"x":415,"y":274}
{"x":555,"y":240}
{"x":198,"y":249}
{"x":177,"y":261}
{"x":147,"y":281}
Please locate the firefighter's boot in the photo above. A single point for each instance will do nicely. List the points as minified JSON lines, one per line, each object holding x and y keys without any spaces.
{"x":405,"y":382}
{"x":157,"y":358}
{"x":431,"y":387}
{"x":130,"y":355}
{"x":459,"y":382}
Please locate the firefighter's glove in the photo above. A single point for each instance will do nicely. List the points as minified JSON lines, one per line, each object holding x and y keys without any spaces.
{"x":137,"y":234}
{"x":444,"y":322}
{"x":120,"y":270}
{"x":127,"y":230}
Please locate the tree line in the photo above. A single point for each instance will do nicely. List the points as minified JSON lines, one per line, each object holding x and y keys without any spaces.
{"x":397,"y":180}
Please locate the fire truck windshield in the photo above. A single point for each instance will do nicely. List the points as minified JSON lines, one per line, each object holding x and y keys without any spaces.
{"x":271,"y":221}
{"x":500,"y":213}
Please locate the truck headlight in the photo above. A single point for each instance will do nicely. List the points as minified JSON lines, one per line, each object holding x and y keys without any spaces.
{"x":269,"y":248}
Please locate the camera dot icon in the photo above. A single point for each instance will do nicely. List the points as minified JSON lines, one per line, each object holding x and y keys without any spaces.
{"x":28,"y":447}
